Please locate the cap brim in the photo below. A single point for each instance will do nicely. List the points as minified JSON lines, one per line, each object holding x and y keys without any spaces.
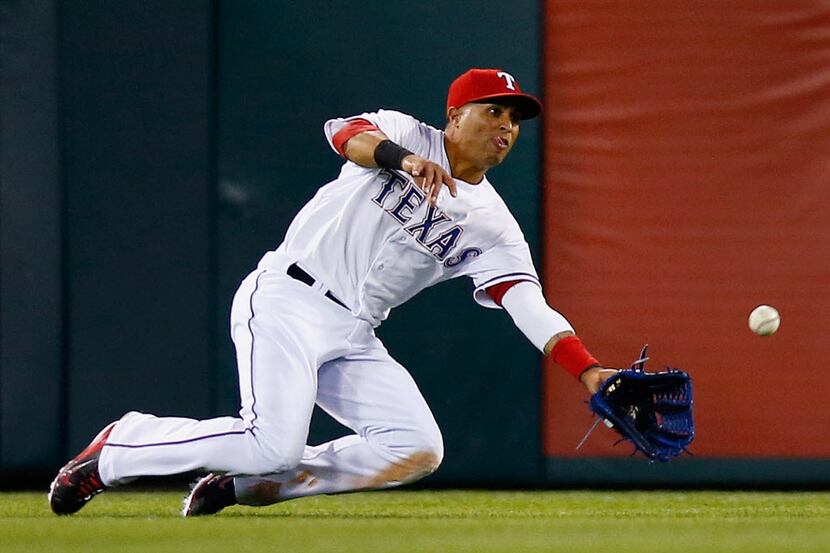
{"x":529,"y":106}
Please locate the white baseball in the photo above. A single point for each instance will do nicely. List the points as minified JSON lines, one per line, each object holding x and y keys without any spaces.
{"x":764,"y":320}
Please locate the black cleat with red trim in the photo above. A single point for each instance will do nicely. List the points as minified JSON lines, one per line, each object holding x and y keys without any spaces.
{"x":209,"y":495}
{"x":78,"y":481}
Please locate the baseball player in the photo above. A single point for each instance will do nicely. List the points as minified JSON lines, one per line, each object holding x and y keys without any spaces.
{"x":412,"y":207}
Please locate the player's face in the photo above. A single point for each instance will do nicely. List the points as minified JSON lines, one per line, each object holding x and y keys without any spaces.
{"x":486,"y":132}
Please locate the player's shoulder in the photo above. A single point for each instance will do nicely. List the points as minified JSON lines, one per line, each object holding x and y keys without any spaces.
{"x":395,"y":114}
{"x":404,"y":119}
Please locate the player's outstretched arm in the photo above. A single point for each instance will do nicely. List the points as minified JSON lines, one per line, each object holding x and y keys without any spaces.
{"x":372,"y":148}
{"x":549,"y":331}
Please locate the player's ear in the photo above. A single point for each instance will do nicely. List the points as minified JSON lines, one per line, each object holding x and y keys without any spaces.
{"x":452,"y":114}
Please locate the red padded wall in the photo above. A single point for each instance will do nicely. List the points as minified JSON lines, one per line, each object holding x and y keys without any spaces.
{"x":687,"y":180}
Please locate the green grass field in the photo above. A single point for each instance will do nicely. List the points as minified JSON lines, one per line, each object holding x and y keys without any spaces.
{"x":423,"y":521}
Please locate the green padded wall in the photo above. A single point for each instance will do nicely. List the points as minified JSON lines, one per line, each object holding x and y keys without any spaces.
{"x":31,"y":298}
{"x":137,"y":100}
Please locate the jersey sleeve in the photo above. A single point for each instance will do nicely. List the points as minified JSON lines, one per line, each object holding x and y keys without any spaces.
{"x":401,"y":129}
{"x":508,"y":260}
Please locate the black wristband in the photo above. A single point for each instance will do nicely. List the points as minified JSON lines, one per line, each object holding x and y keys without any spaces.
{"x":389,"y":155}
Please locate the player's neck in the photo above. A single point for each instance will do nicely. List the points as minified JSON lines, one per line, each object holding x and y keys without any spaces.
{"x":461,"y":167}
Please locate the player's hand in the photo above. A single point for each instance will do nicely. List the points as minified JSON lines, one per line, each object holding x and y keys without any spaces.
{"x":429,"y":177}
{"x":594,"y":377}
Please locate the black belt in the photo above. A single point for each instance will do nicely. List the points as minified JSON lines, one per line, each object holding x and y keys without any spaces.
{"x":295,"y":272}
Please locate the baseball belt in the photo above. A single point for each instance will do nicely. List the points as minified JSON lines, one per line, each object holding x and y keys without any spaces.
{"x":297,"y":273}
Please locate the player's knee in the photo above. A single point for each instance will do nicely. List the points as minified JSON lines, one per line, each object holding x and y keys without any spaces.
{"x":430,"y":461}
{"x":433,"y":448}
{"x":419,"y":455}
{"x":438,"y":457}
{"x":414,"y":466}
{"x":424,"y":463}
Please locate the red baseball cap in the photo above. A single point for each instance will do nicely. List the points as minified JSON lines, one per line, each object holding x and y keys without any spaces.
{"x":477,"y":85}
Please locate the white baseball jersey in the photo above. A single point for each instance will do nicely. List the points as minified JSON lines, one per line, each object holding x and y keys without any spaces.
{"x":373,"y":240}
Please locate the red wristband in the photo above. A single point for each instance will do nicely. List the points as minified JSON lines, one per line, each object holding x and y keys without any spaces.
{"x":571,"y":355}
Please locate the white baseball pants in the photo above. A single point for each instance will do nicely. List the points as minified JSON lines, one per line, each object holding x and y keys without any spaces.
{"x":294,"y":347}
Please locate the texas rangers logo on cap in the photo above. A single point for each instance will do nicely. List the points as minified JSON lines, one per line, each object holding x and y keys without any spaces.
{"x":477,"y":85}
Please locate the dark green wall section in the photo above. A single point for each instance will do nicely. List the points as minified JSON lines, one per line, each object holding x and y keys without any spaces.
{"x":137,"y":100}
{"x":31,"y":297}
{"x":689,"y":472}
{"x":284,"y":68}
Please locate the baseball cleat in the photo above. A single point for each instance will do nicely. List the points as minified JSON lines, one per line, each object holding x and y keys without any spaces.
{"x":209,"y":495}
{"x":78,"y":481}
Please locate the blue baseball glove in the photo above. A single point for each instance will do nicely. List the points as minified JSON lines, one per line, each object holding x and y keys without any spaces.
{"x":652,"y":410}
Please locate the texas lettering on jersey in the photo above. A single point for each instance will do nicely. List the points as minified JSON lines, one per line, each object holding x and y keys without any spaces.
{"x":400,"y":197}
